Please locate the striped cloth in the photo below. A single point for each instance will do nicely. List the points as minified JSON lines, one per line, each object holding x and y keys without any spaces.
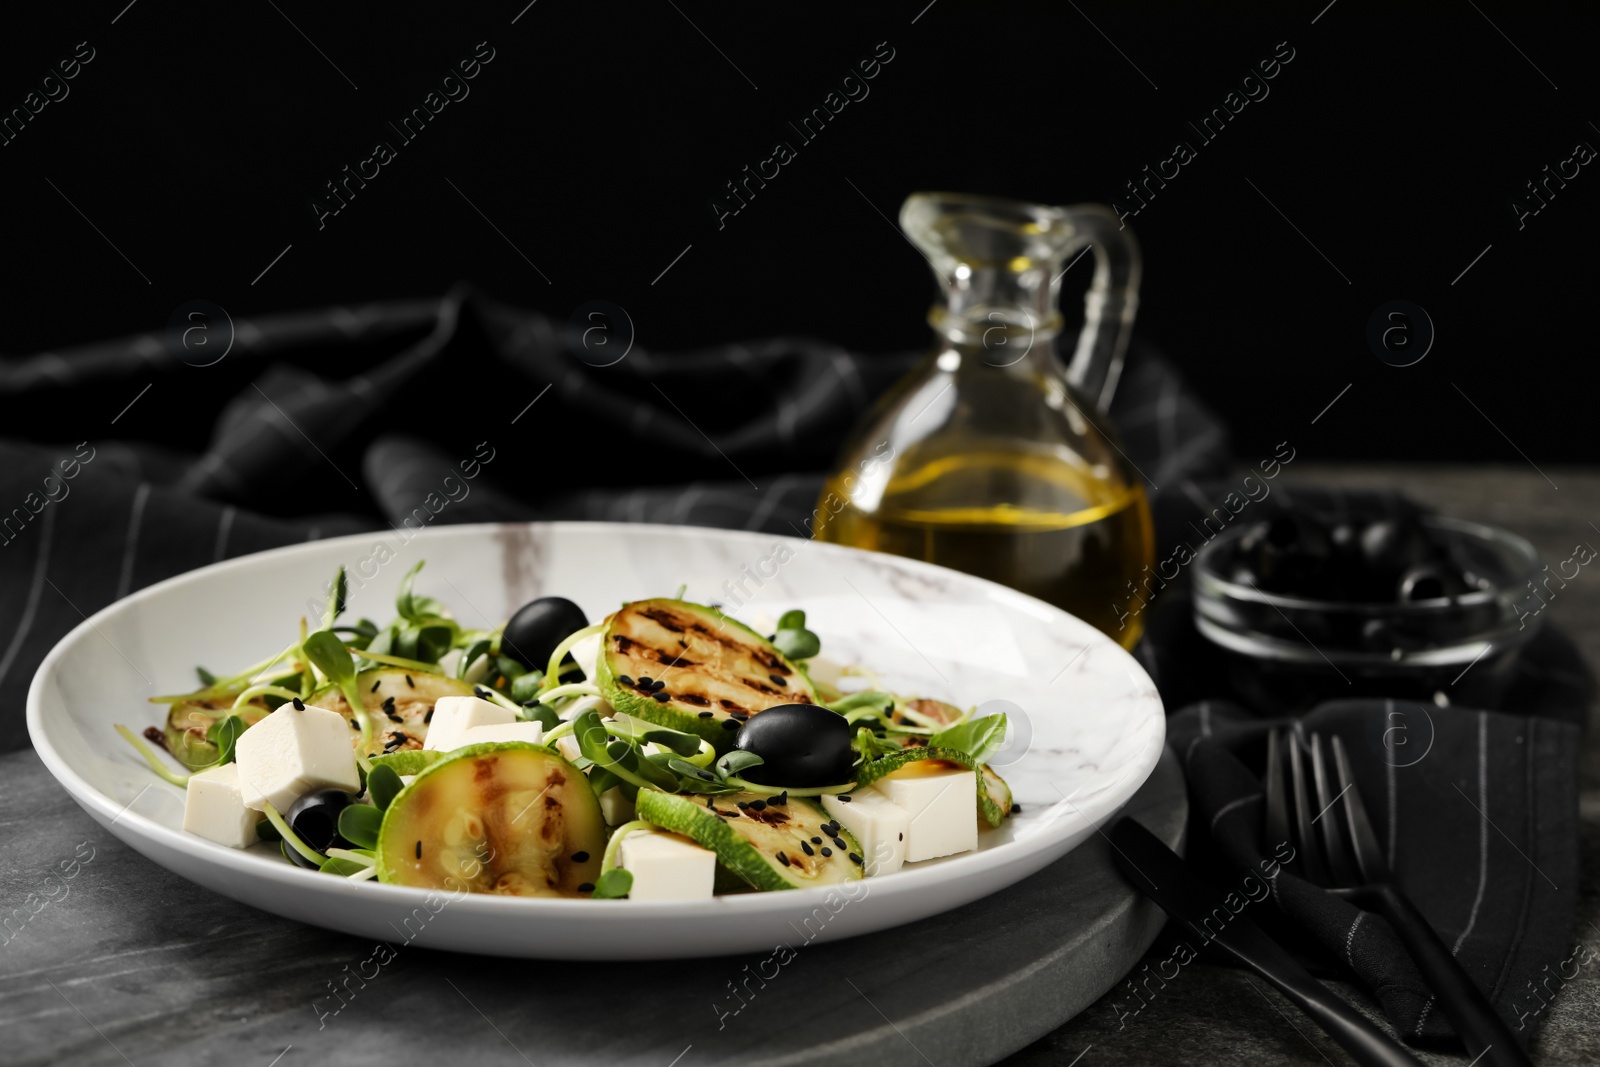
{"x":1481,"y":833}
{"x":165,"y":457}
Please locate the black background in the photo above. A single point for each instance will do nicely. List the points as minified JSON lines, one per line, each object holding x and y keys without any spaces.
{"x":199,"y":135}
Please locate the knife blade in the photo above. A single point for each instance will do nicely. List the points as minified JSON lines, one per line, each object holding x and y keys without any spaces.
{"x":1166,"y":878}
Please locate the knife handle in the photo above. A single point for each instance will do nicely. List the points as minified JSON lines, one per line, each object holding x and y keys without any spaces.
{"x":1163,"y":876}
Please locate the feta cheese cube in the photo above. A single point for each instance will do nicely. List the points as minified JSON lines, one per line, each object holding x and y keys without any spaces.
{"x":614,"y":806}
{"x":941,"y":800}
{"x":292,"y":752}
{"x":878,"y":823}
{"x":567,"y":745}
{"x":214,"y":809}
{"x":454,"y":716}
{"x":530,"y":732}
{"x":666,"y":866}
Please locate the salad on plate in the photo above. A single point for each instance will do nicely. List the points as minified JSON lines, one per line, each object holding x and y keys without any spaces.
{"x":666,"y":752}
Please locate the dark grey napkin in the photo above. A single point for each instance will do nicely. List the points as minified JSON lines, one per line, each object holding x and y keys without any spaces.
{"x":1477,"y":812}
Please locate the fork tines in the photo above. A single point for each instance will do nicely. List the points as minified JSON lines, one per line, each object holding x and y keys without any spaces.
{"x":1321,"y":809}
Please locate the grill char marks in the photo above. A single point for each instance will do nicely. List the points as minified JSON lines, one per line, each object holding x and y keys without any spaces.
{"x":663,"y":618}
{"x":706,"y":662}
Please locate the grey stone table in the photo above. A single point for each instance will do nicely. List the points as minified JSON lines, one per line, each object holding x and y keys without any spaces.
{"x":126,"y":962}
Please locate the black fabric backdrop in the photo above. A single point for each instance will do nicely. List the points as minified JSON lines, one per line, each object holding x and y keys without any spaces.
{"x":165,"y":457}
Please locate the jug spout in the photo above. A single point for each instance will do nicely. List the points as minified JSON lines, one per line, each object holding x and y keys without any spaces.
{"x":1001,"y":263}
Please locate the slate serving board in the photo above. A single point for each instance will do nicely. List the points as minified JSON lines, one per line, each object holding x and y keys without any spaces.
{"x":125,"y":962}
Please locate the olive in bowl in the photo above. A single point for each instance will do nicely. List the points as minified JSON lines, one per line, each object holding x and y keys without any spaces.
{"x":1400,"y":607}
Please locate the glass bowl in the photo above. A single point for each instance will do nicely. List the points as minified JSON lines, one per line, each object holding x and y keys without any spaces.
{"x":1287,"y":653}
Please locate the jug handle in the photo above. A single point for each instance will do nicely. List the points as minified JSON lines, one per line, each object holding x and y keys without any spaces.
{"x":1110,"y":303}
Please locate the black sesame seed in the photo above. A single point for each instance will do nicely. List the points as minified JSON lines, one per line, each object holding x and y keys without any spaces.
{"x":781,"y":799}
{"x":805,"y":846}
{"x":388,"y":702}
{"x":816,"y":840}
{"x":783,"y":859}
{"x":645,"y":680}
{"x":419,"y":850}
{"x":901,"y":837}
{"x":587,"y":887}
{"x":624,"y":679}
{"x":428,"y":718}
{"x":480,"y":692}
{"x":844,"y":798}
{"x":299,"y":705}
{"x":855,"y":859}
{"x":826,"y":851}
{"x":1016,"y":809}
{"x":410,"y":682}
{"x":660,"y":697}
{"x":375,"y":685}
{"x":580,"y":857}
{"x":730,"y":724}
{"x":758,"y":805}
{"x":777,"y":680}
{"x":706,"y":714}
{"x":743,"y":803}
{"x":839,"y":844}
{"x":355,"y":724}
{"x":392,"y":716}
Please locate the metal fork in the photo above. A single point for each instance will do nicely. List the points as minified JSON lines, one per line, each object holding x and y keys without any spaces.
{"x":1323,"y":815}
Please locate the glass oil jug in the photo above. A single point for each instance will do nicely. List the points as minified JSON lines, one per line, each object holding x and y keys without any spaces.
{"x":990,"y":457}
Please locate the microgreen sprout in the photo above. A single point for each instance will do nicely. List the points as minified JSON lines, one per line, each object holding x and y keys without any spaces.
{"x":328,"y":653}
{"x":614,"y":882}
{"x":161,"y":769}
{"x":290,"y":838}
{"x":793,"y":639}
{"x":569,"y":689}
{"x":552,"y":670}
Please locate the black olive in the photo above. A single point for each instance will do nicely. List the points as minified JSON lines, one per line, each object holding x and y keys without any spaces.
{"x":538,"y":627}
{"x":1431,"y":581}
{"x":801,"y":745}
{"x":1291,"y":554}
{"x":315,"y":819}
{"x":293,"y":856}
{"x":1391,"y":546}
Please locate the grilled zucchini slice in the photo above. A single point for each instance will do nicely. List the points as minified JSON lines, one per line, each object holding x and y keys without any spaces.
{"x":764,"y":844}
{"x":716,"y":670}
{"x":507,"y":817}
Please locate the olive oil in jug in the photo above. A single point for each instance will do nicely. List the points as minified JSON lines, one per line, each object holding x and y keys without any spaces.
{"x":985,"y":459}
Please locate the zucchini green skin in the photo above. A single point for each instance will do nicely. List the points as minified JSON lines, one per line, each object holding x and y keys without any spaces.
{"x":713,"y":666}
{"x":994,"y":796}
{"x":747,"y":844}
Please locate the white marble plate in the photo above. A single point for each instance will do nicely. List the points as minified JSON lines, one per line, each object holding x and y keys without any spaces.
{"x":1090,"y":731}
